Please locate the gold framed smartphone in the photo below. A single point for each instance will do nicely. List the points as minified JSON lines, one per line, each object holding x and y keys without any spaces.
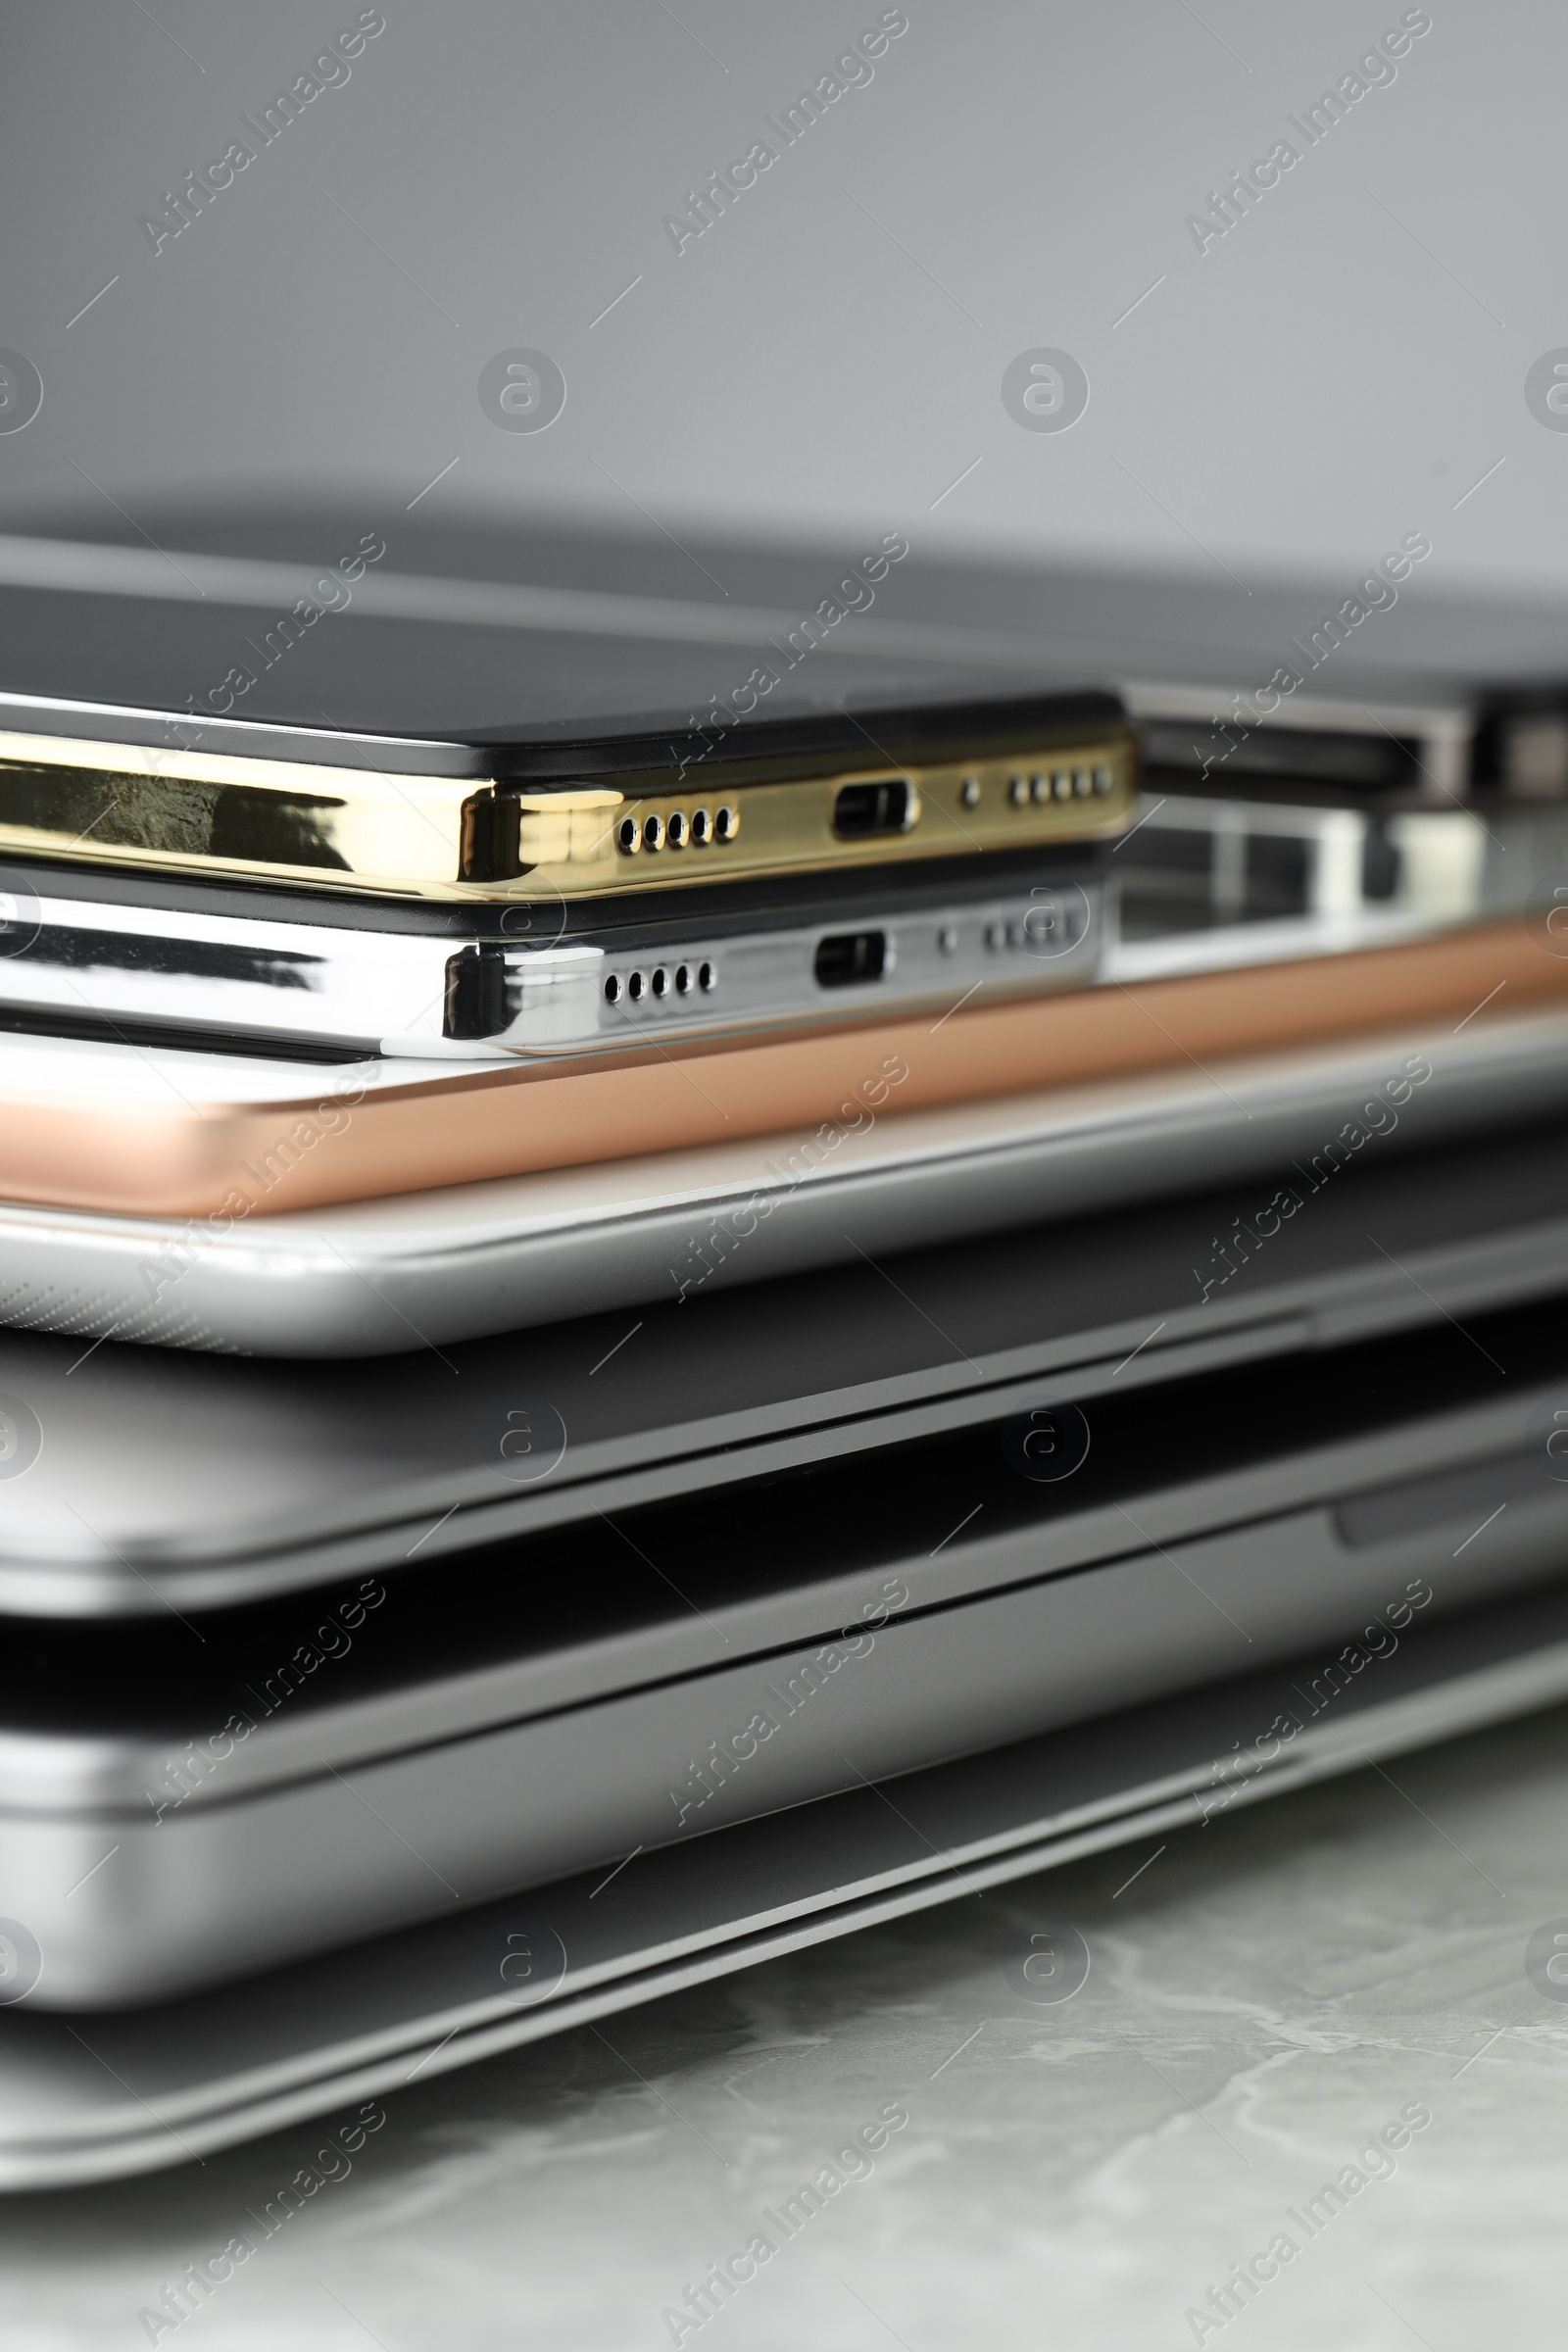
{"x":641,"y":814}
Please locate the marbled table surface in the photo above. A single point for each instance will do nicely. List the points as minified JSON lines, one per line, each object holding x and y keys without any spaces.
{"x":1264,"y":1997}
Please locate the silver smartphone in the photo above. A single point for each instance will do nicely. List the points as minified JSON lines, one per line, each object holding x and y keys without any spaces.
{"x":123,"y":956}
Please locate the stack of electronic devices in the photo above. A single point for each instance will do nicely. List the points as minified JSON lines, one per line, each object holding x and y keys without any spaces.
{"x":885,"y":1245}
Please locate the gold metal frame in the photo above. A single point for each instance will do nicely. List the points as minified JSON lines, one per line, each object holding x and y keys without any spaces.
{"x":366,"y":831}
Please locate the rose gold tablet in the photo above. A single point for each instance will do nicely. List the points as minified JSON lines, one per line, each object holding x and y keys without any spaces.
{"x":158,"y":1132}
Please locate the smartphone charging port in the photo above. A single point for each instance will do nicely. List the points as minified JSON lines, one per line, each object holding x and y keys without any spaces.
{"x":861,"y":809}
{"x":847,"y":958}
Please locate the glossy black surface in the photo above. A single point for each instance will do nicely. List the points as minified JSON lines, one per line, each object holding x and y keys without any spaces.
{"x":521,"y":703}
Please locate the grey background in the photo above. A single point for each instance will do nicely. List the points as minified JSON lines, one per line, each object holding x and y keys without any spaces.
{"x":828,"y":359}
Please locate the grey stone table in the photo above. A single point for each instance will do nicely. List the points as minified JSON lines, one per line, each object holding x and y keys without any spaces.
{"x":1266,"y":1998}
